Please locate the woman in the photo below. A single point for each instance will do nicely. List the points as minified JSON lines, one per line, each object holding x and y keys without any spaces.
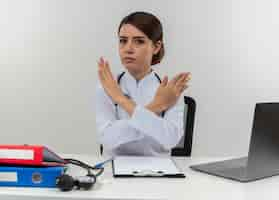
{"x":136,"y":112}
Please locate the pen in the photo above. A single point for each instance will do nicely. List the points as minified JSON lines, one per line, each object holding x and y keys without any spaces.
{"x":100,"y":165}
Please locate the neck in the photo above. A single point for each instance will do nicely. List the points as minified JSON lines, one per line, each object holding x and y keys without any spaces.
{"x":140,"y":75}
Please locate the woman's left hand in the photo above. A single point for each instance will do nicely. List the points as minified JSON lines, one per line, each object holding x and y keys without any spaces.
{"x":108,"y":82}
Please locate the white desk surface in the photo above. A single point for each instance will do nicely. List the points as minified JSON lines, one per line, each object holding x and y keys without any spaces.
{"x":195,"y":186}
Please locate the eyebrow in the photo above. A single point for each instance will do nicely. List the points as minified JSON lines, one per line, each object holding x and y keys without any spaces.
{"x":136,"y":37}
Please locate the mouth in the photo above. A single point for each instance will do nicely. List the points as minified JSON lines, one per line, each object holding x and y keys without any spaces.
{"x":129,"y":59}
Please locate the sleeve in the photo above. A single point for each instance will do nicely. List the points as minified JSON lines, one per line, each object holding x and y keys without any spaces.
{"x":166,"y":131}
{"x":112,"y":132}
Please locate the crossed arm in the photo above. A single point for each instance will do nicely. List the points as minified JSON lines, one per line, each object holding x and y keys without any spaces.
{"x":166,"y":95}
{"x":144,"y":120}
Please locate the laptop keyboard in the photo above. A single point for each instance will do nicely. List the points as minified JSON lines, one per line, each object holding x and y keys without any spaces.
{"x":235,"y":172}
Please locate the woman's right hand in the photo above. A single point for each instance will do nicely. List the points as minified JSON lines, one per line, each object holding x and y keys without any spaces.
{"x":169,"y":91}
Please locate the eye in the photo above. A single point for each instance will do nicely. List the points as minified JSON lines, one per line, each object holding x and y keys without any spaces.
{"x":139,"y":41}
{"x":122,"y":41}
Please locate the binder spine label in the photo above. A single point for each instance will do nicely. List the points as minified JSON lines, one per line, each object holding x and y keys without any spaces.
{"x":27,"y":154}
{"x":8,"y":176}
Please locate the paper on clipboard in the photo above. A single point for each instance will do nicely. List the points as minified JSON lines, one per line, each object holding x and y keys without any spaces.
{"x":145,"y":166}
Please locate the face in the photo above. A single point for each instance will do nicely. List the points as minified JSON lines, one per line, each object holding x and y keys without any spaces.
{"x":136,"y":49}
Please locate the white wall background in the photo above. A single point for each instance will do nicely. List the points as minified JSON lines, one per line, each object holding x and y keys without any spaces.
{"x":49,"y":49}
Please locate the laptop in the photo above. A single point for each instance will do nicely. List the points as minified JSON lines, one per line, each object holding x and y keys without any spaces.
{"x":263,"y":155}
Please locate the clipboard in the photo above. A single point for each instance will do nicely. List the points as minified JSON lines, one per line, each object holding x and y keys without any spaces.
{"x":145,"y":166}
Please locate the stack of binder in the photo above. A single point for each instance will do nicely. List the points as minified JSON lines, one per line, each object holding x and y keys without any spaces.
{"x":29,"y":166}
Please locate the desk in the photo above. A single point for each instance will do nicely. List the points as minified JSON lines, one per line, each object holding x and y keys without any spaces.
{"x":196,"y":186}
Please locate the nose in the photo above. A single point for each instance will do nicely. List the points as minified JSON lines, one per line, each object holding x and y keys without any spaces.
{"x":129,"y":47}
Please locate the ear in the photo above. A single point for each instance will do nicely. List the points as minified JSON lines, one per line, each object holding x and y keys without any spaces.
{"x":157,"y":47}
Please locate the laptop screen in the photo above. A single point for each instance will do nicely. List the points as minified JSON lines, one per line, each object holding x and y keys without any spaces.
{"x":264,"y":143}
